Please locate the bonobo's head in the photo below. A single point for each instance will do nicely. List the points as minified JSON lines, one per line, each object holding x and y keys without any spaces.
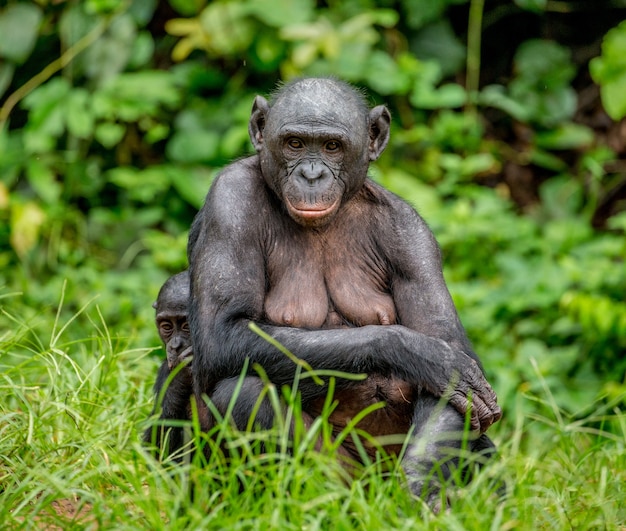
{"x":171,"y":318}
{"x":315,"y":141}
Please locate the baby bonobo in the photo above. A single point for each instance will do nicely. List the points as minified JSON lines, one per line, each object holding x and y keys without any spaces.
{"x":171,"y":320}
{"x":347,"y":276}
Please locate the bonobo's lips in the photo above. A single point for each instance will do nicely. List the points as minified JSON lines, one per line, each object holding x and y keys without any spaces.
{"x":312,"y":213}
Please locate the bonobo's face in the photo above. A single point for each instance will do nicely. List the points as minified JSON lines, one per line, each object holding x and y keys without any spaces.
{"x":171,"y":318}
{"x":174,"y":332}
{"x":314,"y":147}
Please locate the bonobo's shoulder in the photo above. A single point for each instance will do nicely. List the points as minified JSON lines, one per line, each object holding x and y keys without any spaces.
{"x":239,"y":178}
{"x":235,"y":192}
{"x":392,"y":203}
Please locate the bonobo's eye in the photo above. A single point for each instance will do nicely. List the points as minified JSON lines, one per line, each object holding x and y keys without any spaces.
{"x":165,"y":327}
{"x":185,"y":327}
{"x":295,"y":143}
{"x":332,"y":145}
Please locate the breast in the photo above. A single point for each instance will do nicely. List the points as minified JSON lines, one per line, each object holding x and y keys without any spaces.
{"x":360,"y":300}
{"x":297,"y":294}
{"x":316,"y":282}
{"x":300,"y":301}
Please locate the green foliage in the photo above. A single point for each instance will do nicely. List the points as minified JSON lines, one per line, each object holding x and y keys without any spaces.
{"x":540,"y":92}
{"x":74,"y":406}
{"x":116,"y":114}
{"x":19,"y":27}
{"x":609,"y":71}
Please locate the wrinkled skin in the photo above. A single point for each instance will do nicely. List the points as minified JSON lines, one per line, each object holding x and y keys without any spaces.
{"x":343,"y":273}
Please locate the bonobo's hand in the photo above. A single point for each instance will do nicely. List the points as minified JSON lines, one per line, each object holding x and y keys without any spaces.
{"x":174,"y":359}
{"x":472,"y":391}
{"x":185,"y":372}
{"x":460,"y":380}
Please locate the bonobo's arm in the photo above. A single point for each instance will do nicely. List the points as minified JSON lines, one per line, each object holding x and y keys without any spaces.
{"x":174,"y":406}
{"x":228,"y":284}
{"x":422,"y":300}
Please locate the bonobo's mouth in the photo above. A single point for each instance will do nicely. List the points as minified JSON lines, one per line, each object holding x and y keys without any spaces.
{"x":312,"y":213}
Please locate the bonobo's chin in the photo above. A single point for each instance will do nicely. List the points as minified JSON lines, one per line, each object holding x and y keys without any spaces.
{"x":312,"y":216}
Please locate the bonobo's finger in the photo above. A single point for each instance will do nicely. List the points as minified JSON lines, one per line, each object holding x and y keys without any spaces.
{"x":188,"y":352}
{"x":483,"y":414}
{"x":485,"y":409}
{"x":459,"y":402}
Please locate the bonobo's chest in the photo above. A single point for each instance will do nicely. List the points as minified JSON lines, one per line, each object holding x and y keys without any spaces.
{"x":330,"y":278}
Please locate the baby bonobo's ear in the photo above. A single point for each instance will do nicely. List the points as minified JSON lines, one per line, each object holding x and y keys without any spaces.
{"x":260,"y":110}
{"x":380,"y":120}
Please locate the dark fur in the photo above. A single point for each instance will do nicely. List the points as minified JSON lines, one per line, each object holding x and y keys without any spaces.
{"x":342,"y":272}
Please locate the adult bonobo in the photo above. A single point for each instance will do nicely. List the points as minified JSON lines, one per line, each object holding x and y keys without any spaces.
{"x":342,"y":272}
{"x":171,"y":320}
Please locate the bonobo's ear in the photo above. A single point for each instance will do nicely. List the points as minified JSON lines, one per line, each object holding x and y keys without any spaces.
{"x":260,"y":109}
{"x":380,"y":119}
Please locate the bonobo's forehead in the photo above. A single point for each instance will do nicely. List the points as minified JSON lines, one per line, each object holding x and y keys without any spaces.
{"x":174,"y":294}
{"x":174,"y":306}
{"x":319,"y":102}
{"x":171,"y":312}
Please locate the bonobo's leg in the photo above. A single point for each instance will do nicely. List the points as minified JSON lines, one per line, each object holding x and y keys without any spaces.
{"x":245,"y":402}
{"x":434,"y":453}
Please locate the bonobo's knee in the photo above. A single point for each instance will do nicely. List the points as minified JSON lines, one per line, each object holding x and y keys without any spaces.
{"x":435,"y":449}
{"x":431,"y":416}
{"x":441,"y":426}
{"x":245,"y":402}
{"x":437,"y":437}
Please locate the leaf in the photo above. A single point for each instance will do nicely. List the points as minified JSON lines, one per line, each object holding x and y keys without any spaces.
{"x":192,"y":184}
{"x":545,"y":63}
{"x":43,"y":180}
{"x":74,"y":24}
{"x":280,"y":13}
{"x":536,"y":6}
{"x":108,"y":56}
{"x":46,"y":118}
{"x":6,"y":75}
{"x":227,"y":28}
{"x":142,"y":185}
{"x":19,"y":27}
{"x":188,"y":8}
{"x":566,"y":136}
{"x":193,"y":146}
{"x":384,"y":75}
{"x":78,"y":114}
{"x":447,"y":96}
{"x":109,"y":134}
{"x":26,"y":222}
{"x":496,"y":96}
{"x":438,"y":42}
{"x":609,"y":71}
{"x":421,"y":12}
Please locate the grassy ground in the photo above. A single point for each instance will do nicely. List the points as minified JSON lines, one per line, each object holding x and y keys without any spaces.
{"x":72,"y":411}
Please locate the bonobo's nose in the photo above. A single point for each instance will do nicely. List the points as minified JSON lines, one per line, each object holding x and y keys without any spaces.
{"x":311,"y":172}
{"x":175,"y":344}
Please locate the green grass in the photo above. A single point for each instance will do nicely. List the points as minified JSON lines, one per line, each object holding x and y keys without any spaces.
{"x":72,"y":412}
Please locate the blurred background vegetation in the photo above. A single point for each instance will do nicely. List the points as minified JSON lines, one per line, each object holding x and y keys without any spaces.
{"x":508,"y":136}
